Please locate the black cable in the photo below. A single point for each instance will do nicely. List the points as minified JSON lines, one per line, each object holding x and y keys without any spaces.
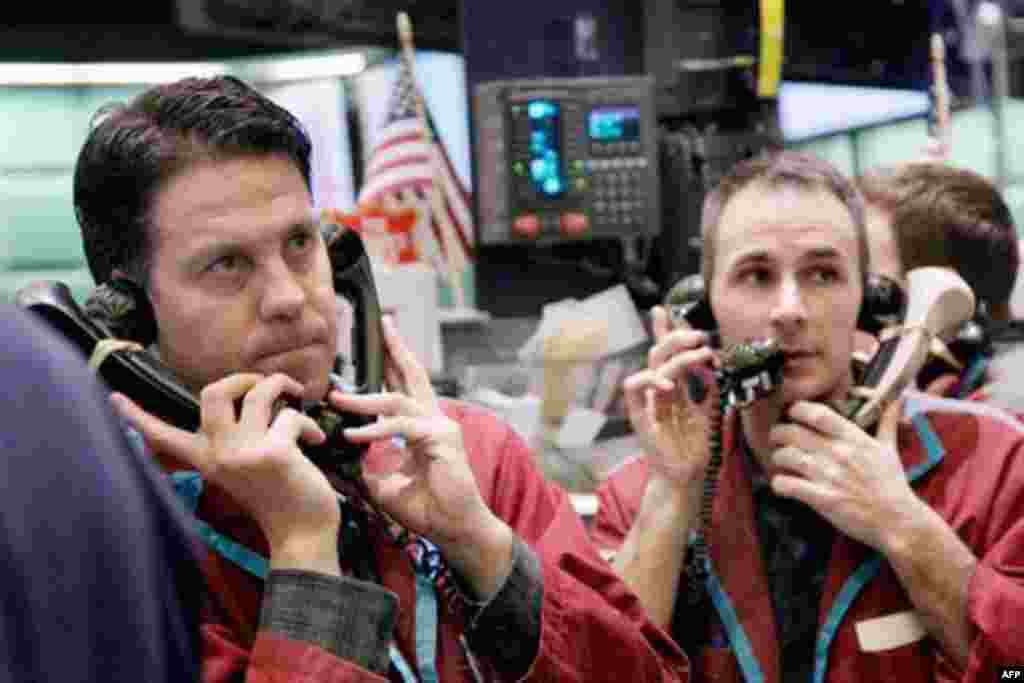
{"x":697,"y":572}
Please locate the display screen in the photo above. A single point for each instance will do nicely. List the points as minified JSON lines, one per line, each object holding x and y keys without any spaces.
{"x":547,"y":171}
{"x":614,"y":124}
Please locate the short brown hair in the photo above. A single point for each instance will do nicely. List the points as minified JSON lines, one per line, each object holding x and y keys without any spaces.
{"x":134,"y":149}
{"x":950,"y":217}
{"x":778,"y":169}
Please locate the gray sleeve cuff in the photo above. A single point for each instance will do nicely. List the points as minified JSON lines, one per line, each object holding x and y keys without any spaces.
{"x":353,"y":620}
{"x":506,"y":630}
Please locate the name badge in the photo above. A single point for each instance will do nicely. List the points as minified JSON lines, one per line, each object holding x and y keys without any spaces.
{"x":889,"y":632}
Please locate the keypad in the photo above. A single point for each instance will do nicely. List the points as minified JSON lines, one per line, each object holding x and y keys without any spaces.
{"x":618,"y":189}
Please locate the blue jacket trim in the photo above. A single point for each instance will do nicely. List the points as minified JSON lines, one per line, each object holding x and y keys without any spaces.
{"x":973,"y":376}
{"x":189,"y":487}
{"x":853,"y":586}
{"x":932,"y":444}
{"x":741,"y":646}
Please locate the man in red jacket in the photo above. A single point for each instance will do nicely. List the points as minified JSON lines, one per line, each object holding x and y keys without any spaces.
{"x":199,"y":193}
{"x":829,"y":553}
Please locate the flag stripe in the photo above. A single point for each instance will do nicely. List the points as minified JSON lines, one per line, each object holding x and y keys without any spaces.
{"x":394,"y":188}
{"x":403,"y":161}
{"x":400,"y":172}
{"x":389,"y":151}
{"x":403,"y":169}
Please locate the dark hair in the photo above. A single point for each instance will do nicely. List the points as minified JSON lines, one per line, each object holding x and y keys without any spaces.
{"x":134,"y":149}
{"x":780,"y":169}
{"x":950,"y":217}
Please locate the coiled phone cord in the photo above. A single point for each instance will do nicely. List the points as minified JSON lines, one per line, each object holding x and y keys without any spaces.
{"x":698,"y":566}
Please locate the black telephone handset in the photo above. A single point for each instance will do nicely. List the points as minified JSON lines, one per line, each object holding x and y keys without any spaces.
{"x":116,"y":325}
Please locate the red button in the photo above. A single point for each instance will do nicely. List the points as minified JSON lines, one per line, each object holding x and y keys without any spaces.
{"x":527,"y":225}
{"x":575,"y":223}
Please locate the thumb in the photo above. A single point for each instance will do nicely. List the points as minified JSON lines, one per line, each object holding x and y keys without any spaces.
{"x":164,"y":439}
{"x":889,"y":422}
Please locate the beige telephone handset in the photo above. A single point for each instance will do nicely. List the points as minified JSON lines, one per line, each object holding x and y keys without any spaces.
{"x":939,"y":304}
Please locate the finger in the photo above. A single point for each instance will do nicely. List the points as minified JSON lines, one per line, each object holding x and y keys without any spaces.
{"x":412,"y":373}
{"x":293,"y":426}
{"x":889,"y":422}
{"x":640,"y":381}
{"x":405,"y":426}
{"x":258,"y":404}
{"x":794,"y":460}
{"x":163,"y":438}
{"x":673,"y":343}
{"x":661,"y":323}
{"x":217,"y":400}
{"x":821,"y":418}
{"x":387,"y":403}
{"x":814,"y":494}
{"x":687,"y":359}
{"x":798,"y":436}
{"x":634,"y":399}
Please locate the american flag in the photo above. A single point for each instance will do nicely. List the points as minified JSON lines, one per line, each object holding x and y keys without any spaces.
{"x":402,"y":170}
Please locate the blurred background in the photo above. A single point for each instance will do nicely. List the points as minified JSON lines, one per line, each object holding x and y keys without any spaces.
{"x":851,"y":81}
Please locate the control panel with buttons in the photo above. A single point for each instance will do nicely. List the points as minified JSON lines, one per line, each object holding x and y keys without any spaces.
{"x":566,"y":160}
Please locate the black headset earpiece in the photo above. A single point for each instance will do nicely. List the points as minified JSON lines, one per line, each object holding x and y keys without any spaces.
{"x":124,"y":308}
{"x":884,"y":304}
{"x":687,"y":302}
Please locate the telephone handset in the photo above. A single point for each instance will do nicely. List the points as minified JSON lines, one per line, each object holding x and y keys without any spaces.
{"x":117,"y":324}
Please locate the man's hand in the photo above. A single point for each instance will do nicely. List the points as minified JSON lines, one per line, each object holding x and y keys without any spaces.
{"x":674,"y":432}
{"x":433,"y":492}
{"x":859,"y":485}
{"x":254,"y":456}
{"x":853,"y":480}
{"x":671,"y":427}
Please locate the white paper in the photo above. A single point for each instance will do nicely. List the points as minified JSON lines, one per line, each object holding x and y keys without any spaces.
{"x":625,"y":326}
{"x":551,"y":319}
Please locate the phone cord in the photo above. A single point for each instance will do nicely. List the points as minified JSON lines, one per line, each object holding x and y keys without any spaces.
{"x":698,"y":570}
{"x":426,"y":558}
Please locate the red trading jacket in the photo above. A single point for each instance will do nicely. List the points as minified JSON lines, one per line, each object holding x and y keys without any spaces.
{"x":965,"y":462}
{"x":592,"y":627}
